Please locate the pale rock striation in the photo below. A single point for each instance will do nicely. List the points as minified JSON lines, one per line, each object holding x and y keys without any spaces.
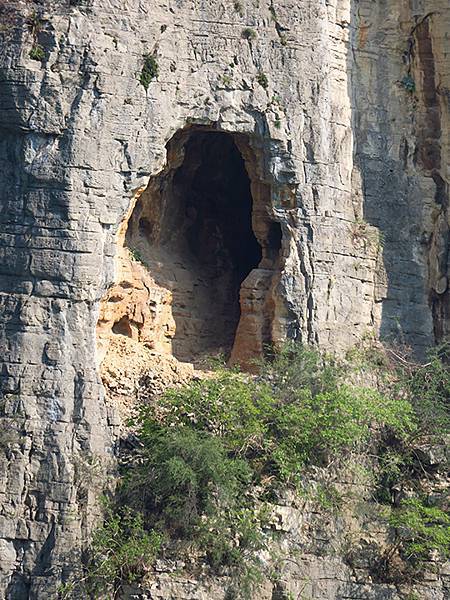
{"x":329,"y":118}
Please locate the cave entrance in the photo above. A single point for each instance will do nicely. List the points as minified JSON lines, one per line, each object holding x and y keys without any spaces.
{"x":198,"y":263}
{"x":192,"y":228}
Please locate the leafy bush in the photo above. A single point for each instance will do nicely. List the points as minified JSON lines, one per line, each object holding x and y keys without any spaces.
{"x":322,"y":426}
{"x":296,"y":413}
{"x":229,"y":405}
{"x":232,"y":537}
{"x":421,"y":529}
{"x":183,"y":475}
{"x":149,"y":71}
{"x":427,"y":387}
{"x":188,"y":486}
{"x":122,"y":550}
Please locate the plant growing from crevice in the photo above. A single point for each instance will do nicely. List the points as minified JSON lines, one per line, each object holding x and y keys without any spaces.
{"x":37,"y":52}
{"x":275,"y":106}
{"x":408,"y":83}
{"x":121,"y":552}
{"x":150,"y":70}
{"x":34,"y":22}
{"x":261,"y":78}
{"x":418,"y":530}
{"x":239,"y":8}
{"x":136,"y":256}
{"x":226,"y":80}
{"x":418,"y":519}
{"x":421,"y":528}
{"x":249,"y":34}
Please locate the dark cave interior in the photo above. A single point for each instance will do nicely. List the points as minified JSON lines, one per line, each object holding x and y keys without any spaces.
{"x":193,"y":228}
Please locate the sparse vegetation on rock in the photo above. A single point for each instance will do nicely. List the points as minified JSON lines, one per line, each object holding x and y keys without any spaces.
{"x":149,"y":71}
{"x":37,"y":52}
{"x":248,"y":33}
{"x":261,"y":78}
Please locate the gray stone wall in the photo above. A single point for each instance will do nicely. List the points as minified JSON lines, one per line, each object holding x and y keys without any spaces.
{"x":400,"y":121}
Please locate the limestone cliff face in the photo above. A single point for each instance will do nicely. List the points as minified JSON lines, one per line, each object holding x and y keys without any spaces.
{"x":339,"y":112}
{"x":400,"y":76}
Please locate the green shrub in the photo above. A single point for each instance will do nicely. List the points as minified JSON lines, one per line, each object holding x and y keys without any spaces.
{"x":226,"y":80}
{"x":248,"y":34}
{"x":296,"y":413}
{"x":409,"y":84}
{"x":421,"y":529}
{"x":121,"y":552}
{"x":183,"y":475}
{"x":37,"y":52}
{"x":261,"y":78}
{"x":188,"y":486}
{"x":149,"y":71}
{"x":319,"y":427}
{"x":427,"y":387}
{"x":230,"y":405}
{"x":136,"y":255}
{"x":321,"y":414}
{"x":232,"y":538}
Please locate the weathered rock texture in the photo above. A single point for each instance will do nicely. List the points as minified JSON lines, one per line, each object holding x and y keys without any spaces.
{"x":339,"y":110}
